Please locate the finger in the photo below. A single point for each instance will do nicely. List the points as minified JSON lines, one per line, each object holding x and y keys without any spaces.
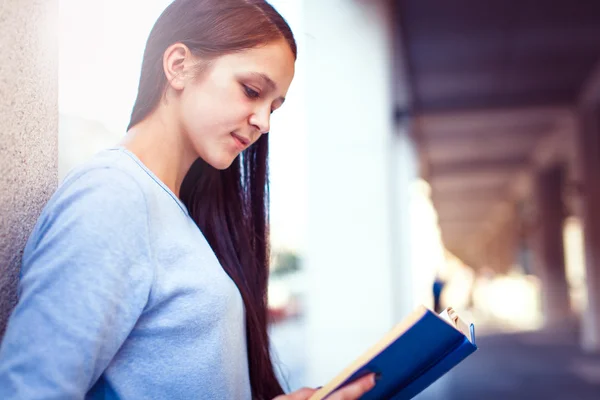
{"x":355,"y":389}
{"x":301,"y":394}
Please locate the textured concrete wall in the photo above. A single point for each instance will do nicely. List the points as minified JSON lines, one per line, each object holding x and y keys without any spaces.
{"x":28,"y":129}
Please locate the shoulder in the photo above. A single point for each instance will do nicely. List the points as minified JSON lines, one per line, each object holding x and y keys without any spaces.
{"x":97,"y":215}
{"x":95,"y":201}
{"x":99,"y":188}
{"x":104,"y":181}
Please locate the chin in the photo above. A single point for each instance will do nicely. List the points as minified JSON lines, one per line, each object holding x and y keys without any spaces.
{"x":215,"y":157}
{"x":220,"y":163}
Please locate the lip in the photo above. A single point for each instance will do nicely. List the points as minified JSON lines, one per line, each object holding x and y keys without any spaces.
{"x":242,"y":142}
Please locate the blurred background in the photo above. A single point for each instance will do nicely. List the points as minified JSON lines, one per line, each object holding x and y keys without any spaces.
{"x":450,"y":142}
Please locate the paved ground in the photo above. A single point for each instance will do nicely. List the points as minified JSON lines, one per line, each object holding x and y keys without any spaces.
{"x":534,"y":365}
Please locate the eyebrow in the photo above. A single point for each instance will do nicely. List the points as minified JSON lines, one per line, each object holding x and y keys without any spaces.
{"x":269,"y":82}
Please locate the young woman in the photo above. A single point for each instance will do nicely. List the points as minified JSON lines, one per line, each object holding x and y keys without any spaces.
{"x":146,"y":274}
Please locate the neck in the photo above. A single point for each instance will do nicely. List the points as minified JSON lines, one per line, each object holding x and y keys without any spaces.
{"x":159,"y":143}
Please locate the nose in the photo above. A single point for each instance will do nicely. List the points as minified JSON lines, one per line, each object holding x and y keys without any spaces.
{"x":261,"y":120}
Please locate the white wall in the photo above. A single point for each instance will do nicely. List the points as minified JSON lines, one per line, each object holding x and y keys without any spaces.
{"x":358,"y":173}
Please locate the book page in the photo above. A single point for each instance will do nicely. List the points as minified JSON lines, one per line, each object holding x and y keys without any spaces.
{"x":450,"y":316}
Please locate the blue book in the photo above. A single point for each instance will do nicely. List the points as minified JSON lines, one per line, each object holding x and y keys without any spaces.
{"x":409,"y":358}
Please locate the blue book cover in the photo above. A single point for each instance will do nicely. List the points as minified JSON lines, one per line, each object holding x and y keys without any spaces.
{"x":413,"y":355}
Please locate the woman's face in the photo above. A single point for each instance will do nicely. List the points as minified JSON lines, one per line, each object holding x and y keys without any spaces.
{"x":228,"y":107}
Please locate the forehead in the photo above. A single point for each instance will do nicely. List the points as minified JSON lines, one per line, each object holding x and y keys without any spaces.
{"x":275,"y":60}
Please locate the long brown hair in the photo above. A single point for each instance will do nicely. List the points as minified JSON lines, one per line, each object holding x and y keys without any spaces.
{"x":230,"y":206}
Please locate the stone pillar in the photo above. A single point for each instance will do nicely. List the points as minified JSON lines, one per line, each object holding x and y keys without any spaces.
{"x":549,"y":256}
{"x":28,"y":129}
{"x":589,"y":158}
{"x":503,"y":246}
{"x":354,"y":292}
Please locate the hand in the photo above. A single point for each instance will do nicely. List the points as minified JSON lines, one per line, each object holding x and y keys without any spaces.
{"x":352,"y":391}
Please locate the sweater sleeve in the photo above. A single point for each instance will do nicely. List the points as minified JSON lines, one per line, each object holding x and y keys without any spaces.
{"x":86,"y":276}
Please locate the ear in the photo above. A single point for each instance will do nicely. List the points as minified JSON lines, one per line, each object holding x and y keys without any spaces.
{"x":177,"y":62}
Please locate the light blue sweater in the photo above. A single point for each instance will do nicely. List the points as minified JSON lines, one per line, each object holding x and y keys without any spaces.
{"x":121,"y":297}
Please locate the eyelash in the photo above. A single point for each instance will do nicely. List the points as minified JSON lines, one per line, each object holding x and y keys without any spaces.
{"x":251,"y":93}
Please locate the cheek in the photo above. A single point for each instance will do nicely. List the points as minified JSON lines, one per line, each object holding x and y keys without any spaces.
{"x":214,"y":112}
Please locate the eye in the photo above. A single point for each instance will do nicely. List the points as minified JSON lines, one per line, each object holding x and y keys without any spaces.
{"x":251,"y":93}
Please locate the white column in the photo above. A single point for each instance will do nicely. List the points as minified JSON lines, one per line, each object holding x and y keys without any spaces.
{"x":411,"y":286}
{"x":355,"y":293}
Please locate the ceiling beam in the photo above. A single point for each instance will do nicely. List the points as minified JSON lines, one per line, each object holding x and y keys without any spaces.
{"x":549,"y":148}
{"x":505,"y":166}
{"x":485,"y":118}
{"x":553,"y":148}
